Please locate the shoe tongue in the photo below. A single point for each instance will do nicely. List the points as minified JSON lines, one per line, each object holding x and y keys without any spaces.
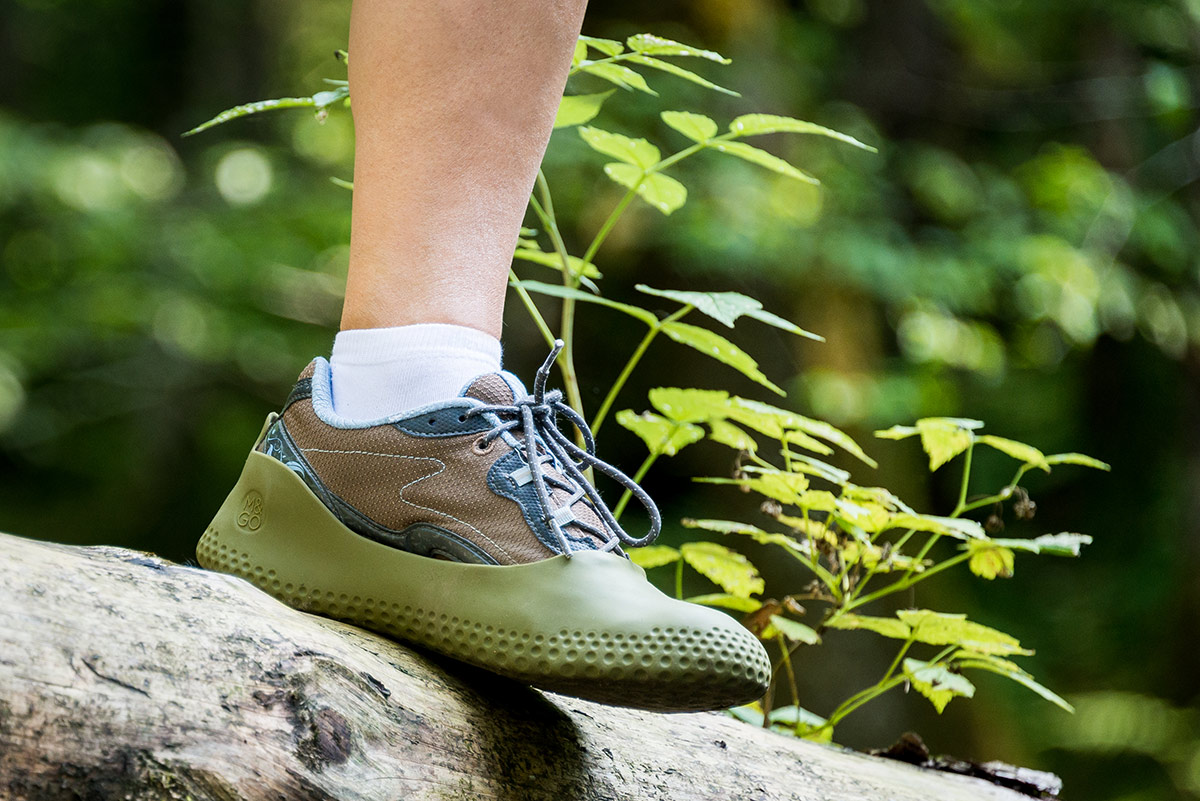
{"x":499,"y":389}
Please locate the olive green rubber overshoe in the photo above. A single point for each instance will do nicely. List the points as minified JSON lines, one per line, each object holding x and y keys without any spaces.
{"x":590,"y":625}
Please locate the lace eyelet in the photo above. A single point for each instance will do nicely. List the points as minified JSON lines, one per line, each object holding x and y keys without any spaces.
{"x":483,"y":445}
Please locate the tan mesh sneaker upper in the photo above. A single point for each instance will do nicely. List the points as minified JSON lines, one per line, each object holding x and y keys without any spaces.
{"x":430,"y":472}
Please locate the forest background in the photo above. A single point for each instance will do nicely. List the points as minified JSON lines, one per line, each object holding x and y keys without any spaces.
{"x":1023,"y":250}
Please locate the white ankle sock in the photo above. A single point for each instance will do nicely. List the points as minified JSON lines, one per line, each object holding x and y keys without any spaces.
{"x":378,"y":372}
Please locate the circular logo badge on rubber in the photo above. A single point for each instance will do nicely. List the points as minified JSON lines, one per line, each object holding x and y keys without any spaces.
{"x":251,"y":516}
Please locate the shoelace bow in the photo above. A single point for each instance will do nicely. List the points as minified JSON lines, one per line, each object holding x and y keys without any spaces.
{"x":536,"y":416}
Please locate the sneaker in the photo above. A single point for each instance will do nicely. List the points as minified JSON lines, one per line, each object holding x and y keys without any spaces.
{"x":468,"y":527}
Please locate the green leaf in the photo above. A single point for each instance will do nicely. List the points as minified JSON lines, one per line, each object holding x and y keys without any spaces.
{"x":1078,"y":458}
{"x":1002,"y":667}
{"x":660,"y":434}
{"x":726,"y":307}
{"x":617,"y":74}
{"x":887,"y":626}
{"x":943,"y":438}
{"x":661,"y":191}
{"x":726,"y":433}
{"x":696,"y":127}
{"x":719,"y":348}
{"x":651,"y":556}
{"x":578,"y":109}
{"x":754,"y":532}
{"x":1062,"y":544}
{"x":898,"y":432}
{"x":679,"y":72}
{"x":689,"y":405}
{"x":958,"y":527}
{"x":763,"y":159}
{"x":793,"y":630}
{"x":1025,"y":680}
{"x":755,"y":124}
{"x":992,"y":562}
{"x":940,"y":628}
{"x":936,"y":683}
{"x":637,"y":152}
{"x":560,"y":291}
{"x":728,"y":569}
{"x":653,"y":45}
{"x":579,"y":55}
{"x":1026,"y":454}
{"x":554,"y":261}
{"x":783,"y":487}
{"x":609,"y":47}
{"x":726,"y":601}
{"x":320,"y":101}
{"x":764,"y":316}
{"x":775,"y":422}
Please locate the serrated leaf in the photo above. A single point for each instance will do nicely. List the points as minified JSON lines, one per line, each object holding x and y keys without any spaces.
{"x":937,"y":683}
{"x":764,"y":159}
{"x":653,"y":45}
{"x":726,"y":307}
{"x":651,"y":556}
{"x":726,"y":433}
{"x":940,"y":628}
{"x":1080,"y":459}
{"x":756,"y":124}
{"x":560,"y":291}
{"x":1025,"y":680}
{"x":886,"y":626}
{"x":957,"y":527}
{"x":745,"y":529}
{"x":726,"y":601}
{"x":578,"y":109}
{"x":661,"y":191}
{"x":943,"y":439}
{"x":660,"y":434}
{"x":609,"y":47}
{"x":803,"y":463}
{"x":689,"y":405}
{"x":1026,"y":454}
{"x":553,"y":260}
{"x":792,"y":630}
{"x":678,"y":72}
{"x":637,"y":152}
{"x":617,"y":74}
{"x":719,"y":348}
{"x":992,"y":562}
{"x":696,"y":127}
{"x":728,"y":569}
{"x":783,"y":487}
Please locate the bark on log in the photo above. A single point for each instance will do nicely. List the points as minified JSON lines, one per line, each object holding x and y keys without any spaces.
{"x":123,"y":676}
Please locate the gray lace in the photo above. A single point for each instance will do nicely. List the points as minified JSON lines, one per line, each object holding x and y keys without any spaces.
{"x":536,"y":416}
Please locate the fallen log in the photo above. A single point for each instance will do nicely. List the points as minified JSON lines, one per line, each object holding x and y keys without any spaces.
{"x":123,"y":676}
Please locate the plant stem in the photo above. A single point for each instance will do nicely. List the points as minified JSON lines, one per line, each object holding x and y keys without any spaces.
{"x":909,"y":580}
{"x":619,"y":384}
{"x":637,"y":478}
{"x":966,"y":480}
{"x":531,"y":307}
{"x":611,"y":221}
{"x":679,"y":578}
{"x":545,"y":212}
{"x":791,"y":674}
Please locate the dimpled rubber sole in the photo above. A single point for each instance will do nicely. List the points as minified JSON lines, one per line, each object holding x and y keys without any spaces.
{"x":590,"y":626}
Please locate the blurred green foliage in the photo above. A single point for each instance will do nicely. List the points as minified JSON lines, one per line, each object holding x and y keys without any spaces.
{"x":1023,"y":250}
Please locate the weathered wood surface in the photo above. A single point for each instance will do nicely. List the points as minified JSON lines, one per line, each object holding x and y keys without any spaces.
{"x":123,"y":676}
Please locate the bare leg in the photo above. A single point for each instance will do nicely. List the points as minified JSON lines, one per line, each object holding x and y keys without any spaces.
{"x":454,"y":102}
